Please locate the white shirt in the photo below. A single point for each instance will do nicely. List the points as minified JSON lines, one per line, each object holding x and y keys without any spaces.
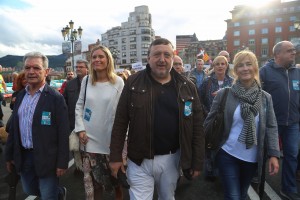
{"x":235,"y":148}
{"x":98,"y":114}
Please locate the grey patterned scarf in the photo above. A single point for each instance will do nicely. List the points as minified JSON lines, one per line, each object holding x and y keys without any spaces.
{"x":250,"y":100}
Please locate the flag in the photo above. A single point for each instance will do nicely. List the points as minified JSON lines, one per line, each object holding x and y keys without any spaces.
{"x":200,"y":53}
{"x":206,"y":57}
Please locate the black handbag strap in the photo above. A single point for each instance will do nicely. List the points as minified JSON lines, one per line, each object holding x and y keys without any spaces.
{"x":87,"y":78}
{"x":223,"y":101}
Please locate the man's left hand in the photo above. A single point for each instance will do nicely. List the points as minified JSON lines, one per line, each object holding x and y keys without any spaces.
{"x":60,"y":172}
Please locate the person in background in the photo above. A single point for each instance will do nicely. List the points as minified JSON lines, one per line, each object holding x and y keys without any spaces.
{"x":71,"y":94}
{"x":178,"y":66}
{"x":225,"y":54}
{"x":249,"y":129}
{"x":20,"y":84}
{"x":72,"y":90}
{"x":94,"y":117}
{"x":164,"y":116}
{"x":281,"y":79}
{"x":70,"y":76}
{"x":217,"y":80}
{"x":14,"y":78}
{"x":38,"y":139}
{"x":199,"y":73}
{"x":3,"y":89}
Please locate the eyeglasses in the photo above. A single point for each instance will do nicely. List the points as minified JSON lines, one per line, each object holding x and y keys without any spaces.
{"x":219,"y":64}
{"x":177,"y":64}
{"x":80,"y":67}
{"x":291,"y":50}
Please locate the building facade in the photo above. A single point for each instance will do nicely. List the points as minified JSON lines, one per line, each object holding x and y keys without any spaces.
{"x":259,"y":29}
{"x":129,"y":42}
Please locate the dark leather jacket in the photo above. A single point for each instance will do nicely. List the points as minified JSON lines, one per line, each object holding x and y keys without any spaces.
{"x":135,"y":109}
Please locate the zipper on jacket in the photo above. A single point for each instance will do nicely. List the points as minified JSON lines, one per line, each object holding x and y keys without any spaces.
{"x":151,"y":122}
{"x":180,"y":120}
{"x":289,"y":91}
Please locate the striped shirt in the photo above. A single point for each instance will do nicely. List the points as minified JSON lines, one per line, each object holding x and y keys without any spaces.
{"x":25,"y":113}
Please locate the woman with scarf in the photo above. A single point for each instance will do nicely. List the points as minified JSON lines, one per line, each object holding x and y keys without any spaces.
{"x":250,"y":129}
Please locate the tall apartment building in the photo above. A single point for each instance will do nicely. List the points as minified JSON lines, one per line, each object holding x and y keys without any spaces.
{"x":259,"y":29}
{"x":131,"y":40}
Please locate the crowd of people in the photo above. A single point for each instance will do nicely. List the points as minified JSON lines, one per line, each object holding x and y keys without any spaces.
{"x":150,"y":125}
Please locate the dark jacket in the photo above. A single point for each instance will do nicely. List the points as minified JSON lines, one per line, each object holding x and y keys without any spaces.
{"x":135,"y":109}
{"x":71,"y":94}
{"x":283,"y":85}
{"x":50,"y":142}
{"x":267,"y":136}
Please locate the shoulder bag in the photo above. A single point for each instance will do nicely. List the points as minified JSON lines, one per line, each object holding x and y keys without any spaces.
{"x":74,"y":138}
{"x":214,"y":129}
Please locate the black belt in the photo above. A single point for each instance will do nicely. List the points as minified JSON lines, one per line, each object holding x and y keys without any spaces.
{"x":167,"y":152}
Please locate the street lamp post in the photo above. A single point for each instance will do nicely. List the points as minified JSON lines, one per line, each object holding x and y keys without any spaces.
{"x":71,"y":34}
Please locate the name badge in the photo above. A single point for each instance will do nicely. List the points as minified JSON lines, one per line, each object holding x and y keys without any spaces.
{"x":46,"y":118}
{"x":296,"y":85}
{"x":87,"y":114}
{"x":187,"y":108}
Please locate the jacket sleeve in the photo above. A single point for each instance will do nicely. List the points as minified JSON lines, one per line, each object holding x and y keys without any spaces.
{"x":63,"y":132}
{"x":271,"y":130}
{"x":198,"y":139}
{"x":214,"y":108}
{"x":79,"y":125}
{"x":120,"y":126}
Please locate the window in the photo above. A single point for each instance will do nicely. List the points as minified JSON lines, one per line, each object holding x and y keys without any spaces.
{"x":145,"y":31}
{"x":264,"y":52}
{"x":293,"y":18}
{"x":123,"y":54}
{"x":277,"y":39}
{"x":132,"y":60}
{"x":123,"y":47}
{"x":292,"y":29}
{"x":236,"y":42}
{"x":264,"y":31}
{"x":132,"y":39}
{"x":278,"y":29}
{"x":123,"y":40}
{"x":236,"y":33}
{"x":132,"y":46}
{"x":278,"y":19}
{"x":144,"y":53}
{"x":264,"y":40}
{"x":145,"y":46}
{"x":236,"y":24}
{"x":264,"y":21}
{"x":251,"y":32}
{"x":133,"y":53}
{"x":123,"y":61}
{"x":145,"y":38}
{"x":251,"y":22}
{"x":132,"y":32}
{"x":251,"y":42}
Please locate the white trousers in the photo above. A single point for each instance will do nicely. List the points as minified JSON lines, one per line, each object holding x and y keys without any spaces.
{"x":162,"y":171}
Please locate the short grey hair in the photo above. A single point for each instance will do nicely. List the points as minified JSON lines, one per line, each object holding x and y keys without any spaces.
{"x":35,"y":54}
{"x":83,"y":61}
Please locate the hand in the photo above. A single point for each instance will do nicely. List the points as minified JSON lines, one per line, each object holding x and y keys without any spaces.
{"x":273,"y":165}
{"x":214,"y":93}
{"x":115,"y":166}
{"x":60,"y":172}
{"x":9,"y":166}
{"x":83,"y":138}
{"x":196,"y":173}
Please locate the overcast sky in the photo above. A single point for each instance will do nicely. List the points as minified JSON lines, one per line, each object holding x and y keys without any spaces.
{"x":35,"y":25}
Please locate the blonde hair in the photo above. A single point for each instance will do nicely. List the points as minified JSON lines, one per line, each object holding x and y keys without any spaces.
{"x":110,"y":70}
{"x":239,"y":57}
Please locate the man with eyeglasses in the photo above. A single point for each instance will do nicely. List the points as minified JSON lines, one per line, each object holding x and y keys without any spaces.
{"x":281,"y":78}
{"x":178,"y":66}
{"x":71,"y":94}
